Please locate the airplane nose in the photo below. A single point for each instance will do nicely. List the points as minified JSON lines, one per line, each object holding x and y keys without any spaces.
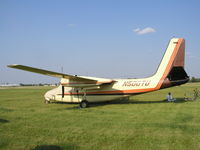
{"x":51,"y":94}
{"x":48,"y":96}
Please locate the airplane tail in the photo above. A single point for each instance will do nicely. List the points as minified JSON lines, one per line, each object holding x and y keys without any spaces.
{"x":171,"y":70}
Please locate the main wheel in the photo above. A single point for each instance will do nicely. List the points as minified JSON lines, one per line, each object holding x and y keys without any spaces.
{"x":84,"y":104}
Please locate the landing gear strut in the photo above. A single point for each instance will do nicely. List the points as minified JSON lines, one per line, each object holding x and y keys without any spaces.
{"x":84,"y":103}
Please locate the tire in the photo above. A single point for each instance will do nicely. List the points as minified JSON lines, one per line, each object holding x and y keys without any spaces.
{"x":84,"y":104}
{"x":46,"y":102}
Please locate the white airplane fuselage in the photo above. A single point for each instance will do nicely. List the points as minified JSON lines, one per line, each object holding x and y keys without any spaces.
{"x":120,"y":89}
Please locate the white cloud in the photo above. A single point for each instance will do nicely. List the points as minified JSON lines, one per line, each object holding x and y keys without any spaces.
{"x":71,"y":25}
{"x":136,"y":30}
{"x":144,"y":31}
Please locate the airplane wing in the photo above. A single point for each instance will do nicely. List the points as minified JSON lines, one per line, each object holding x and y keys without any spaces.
{"x":69,"y":80}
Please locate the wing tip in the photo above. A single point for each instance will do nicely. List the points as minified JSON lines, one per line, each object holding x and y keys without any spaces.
{"x":12,"y":65}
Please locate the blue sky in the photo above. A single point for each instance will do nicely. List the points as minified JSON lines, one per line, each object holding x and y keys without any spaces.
{"x":94,"y":38}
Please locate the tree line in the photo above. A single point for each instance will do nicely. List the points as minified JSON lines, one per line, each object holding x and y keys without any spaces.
{"x":193,"y":79}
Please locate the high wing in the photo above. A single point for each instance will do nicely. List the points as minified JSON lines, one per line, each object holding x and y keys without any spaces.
{"x":67,"y":80}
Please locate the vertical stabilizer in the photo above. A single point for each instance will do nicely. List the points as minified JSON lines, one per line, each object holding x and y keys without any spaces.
{"x":171,"y":69}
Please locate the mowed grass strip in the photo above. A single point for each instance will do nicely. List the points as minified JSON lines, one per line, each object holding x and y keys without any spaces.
{"x":143,"y":122}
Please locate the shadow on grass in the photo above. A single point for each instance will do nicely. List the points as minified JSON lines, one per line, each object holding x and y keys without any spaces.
{"x":47,"y":147}
{"x":3,"y":121}
{"x":56,"y":147}
{"x":66,"y":103}
{"x":124,"y":101}
{"x":127,"y":101}
{"x":178,"y":100}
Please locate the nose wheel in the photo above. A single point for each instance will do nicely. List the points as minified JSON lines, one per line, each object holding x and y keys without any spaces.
{"x":46,"y":101}
{"x":84,"y":104}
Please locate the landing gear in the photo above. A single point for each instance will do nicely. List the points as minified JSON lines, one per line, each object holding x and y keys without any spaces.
{"x":84,"y":104}
{"x":46,"y":101}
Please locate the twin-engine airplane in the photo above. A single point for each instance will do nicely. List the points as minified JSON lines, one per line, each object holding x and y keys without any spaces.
{"x":85,"y":90}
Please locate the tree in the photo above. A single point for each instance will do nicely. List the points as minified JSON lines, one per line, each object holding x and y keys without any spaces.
{"x":193,"y":79}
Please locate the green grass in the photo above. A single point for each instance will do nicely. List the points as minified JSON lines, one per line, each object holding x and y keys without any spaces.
{"x":144,"y":122}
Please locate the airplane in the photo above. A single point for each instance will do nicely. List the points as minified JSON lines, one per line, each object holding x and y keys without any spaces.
{"x":85,"y":90}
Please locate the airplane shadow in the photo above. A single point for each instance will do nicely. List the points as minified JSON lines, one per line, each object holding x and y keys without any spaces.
{"x":67,"y":146}
{"x":47,"y":147}
{"x":125,"y":101}
{"x":3,"y":121}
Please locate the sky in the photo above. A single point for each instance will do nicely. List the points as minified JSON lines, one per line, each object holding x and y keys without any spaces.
{"x":105,"y":38}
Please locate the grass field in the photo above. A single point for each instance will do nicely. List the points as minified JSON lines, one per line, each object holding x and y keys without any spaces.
{"x":145,"y":122}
